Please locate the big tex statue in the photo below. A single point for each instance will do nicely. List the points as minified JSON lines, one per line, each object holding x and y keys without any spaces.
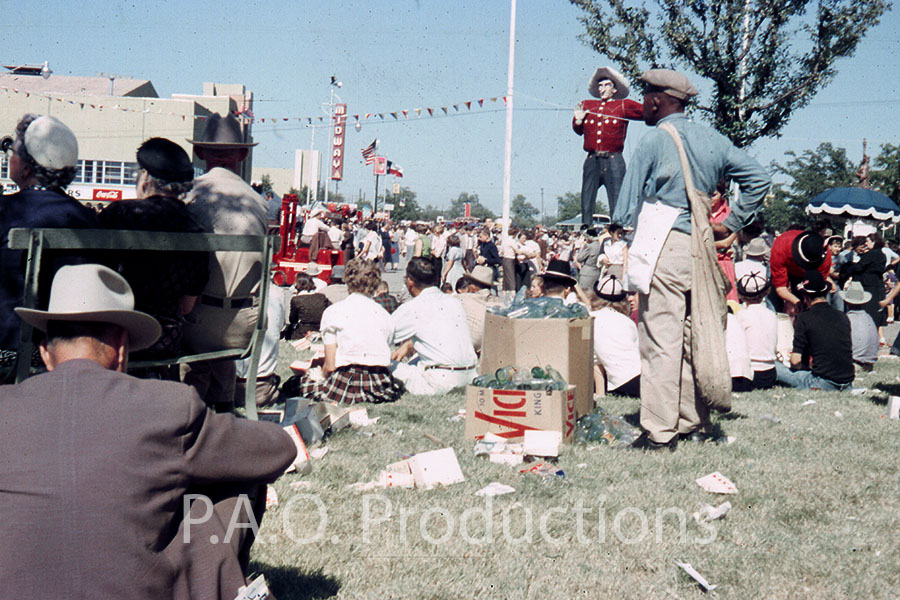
{"x":604,"y":123}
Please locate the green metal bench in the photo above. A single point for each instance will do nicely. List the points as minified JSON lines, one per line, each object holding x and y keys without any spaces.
{"x":36,"y":241}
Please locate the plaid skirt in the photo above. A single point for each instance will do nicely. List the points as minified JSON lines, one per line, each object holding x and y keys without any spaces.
{"x":354,"y":383}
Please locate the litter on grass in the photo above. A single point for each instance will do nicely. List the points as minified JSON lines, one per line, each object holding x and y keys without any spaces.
{"x":545,"y":470}
{"x":893,"y":407}
{"x":838,"y":414}
{"x":256,"y":590}
{"x":858,"y":391}
{"x":318,"y":453}
{"x":717,"y":483}
{"x":495,"y":488}
{"x":808,"y":403}
{"x":459,"y":416}
{"x":613,"y":430}
{"x":696,"y":576}
{"x":770,"y":418}
{"x":709,"y":513}
{"x":426,"y":470}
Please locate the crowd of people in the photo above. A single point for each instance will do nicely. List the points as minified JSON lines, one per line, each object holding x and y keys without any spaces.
{"x":805,"y":309}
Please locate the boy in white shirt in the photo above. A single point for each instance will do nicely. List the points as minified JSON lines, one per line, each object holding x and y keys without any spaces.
{"x":760,"y":328}
{"x":616,"y":338}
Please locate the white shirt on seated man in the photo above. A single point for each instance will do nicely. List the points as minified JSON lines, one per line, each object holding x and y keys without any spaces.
{"x":434,"y":326}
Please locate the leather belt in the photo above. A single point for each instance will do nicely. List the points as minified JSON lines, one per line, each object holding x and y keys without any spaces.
{"x":446,"y":368}
{"x":602,"y":154}
{"x":226,"y":303}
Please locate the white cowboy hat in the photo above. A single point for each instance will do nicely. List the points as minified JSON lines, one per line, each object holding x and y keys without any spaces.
{"x":482,"y":275}
{"x":98,"y":294}
{"x":855,"y":294}
{"x":617,"y":78}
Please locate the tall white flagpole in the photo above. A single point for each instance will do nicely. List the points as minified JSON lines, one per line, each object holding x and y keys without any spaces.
{"x":507,"y":162}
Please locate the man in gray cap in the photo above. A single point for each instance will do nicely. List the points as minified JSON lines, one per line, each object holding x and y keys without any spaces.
{"x":42,"y":157}
{"x":225,"y":313}
{"x":654,"y":200}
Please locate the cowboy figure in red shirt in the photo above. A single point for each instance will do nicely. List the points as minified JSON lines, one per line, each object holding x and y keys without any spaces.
{"x":603,"y":123}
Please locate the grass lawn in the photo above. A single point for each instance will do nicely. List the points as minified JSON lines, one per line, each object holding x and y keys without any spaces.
{"x":817,"y":514}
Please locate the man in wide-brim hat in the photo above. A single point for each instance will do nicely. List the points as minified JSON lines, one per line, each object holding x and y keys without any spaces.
{"x":603,"y":123}
{"x":793,"y":253}
{"x":122,"y":458}
{"x":474,"y":297}
{"x":863,"y":332}
{"x":223,"y":202}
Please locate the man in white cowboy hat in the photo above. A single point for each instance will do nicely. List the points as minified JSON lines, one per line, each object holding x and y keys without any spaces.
{"x":225,"y":313}
{"x":474,"y":299}
{"x":754,"y":261}
{"x":603,"y":123}
{"x":863,"y":332}
{"x":43,"y":157}
{"x":654,"y":200}
{"x":97,"y":466}
{"x":315,"y":232}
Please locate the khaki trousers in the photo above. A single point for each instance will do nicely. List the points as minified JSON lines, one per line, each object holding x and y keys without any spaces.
{"x":669,"y":405}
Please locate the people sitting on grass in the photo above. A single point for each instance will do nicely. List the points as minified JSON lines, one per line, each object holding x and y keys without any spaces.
{"x":863,"y":332}
{"x":357,"y":334}
{"x":474,"y":297}
{"x":432,"y":332}
{"x":616,"y":338}
{"x":306,"y":308}
{"x":760,"y":326}
{"x":822,"y":355}
{"x":736,"y":349}
{"x":117,"y":487}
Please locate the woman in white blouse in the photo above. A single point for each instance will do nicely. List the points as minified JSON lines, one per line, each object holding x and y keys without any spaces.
{"x":357,"y":333}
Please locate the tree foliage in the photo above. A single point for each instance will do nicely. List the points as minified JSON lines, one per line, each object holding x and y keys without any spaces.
{"x":765,"y":59}
{"x":478,"y":210}
{"x":568,"y":205}
{"x":406,"y":207}
{"x":522,"y":213}
{"x":815,"y":171}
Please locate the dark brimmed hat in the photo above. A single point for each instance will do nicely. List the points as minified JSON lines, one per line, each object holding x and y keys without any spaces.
{"x":808,"y":250}
{"x":610,"y":288}
{"x":558,"y":271}
{"x":165,"y":160}
{"x":753,"y":285}
{"x":94,"y":293}
{"x":223,"y":133}
{"x":814,"y":283}
{"x":617,"y":78}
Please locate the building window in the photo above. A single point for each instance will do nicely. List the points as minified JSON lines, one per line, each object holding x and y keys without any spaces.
{"x":112,"y":172}
{"x":4,"y":168}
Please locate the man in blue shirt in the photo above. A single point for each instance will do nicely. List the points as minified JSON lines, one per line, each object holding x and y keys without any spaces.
{"x":655,"y":186}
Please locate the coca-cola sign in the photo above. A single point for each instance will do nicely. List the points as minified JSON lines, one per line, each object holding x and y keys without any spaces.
{"x":108,"y":195}
{"x":337,"y":143}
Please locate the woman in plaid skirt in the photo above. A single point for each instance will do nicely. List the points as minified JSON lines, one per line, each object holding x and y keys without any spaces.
{"x":357,"y":332}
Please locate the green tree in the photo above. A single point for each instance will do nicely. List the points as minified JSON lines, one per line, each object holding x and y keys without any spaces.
{"x":265,"y":184}
{"x":568,"y":205}
{"x":765,"y":59}
{"x":477,"y":209}
{"x":406,"y":208}
{"x":522,"y":212}
{"x":885,"y":177}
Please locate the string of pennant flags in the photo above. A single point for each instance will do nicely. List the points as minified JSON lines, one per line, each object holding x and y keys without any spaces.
{"x":247,"y":116}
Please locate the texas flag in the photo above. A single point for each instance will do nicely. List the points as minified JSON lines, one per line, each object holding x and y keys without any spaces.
{"x":393,"y":169}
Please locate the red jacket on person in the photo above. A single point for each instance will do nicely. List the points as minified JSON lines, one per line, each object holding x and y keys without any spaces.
{"x":606,"y":123}
{"x":782,"y":264}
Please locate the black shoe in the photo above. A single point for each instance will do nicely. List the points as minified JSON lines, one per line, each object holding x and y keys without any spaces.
{"x":645,"y":443}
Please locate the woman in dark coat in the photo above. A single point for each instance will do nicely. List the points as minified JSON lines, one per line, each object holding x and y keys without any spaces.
{"x":869,"y":272}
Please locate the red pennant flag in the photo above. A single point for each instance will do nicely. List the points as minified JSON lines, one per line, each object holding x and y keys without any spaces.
{"x":481,"y":102}
{"x":430,"y":112}
{"x":504,"y":100}
{"x":469,"y":105}
{"x":405,"y":114}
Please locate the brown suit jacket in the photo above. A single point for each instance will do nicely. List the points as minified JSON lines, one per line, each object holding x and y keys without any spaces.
{"x":94,"y":465}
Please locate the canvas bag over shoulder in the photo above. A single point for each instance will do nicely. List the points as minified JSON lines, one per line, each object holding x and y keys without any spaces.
{"x":709,"y":285}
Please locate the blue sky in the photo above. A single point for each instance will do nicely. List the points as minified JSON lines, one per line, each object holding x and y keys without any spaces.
{"x":407,"y":54}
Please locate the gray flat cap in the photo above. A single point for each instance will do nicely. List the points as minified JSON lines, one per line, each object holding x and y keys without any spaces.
{"x":671,"y":82}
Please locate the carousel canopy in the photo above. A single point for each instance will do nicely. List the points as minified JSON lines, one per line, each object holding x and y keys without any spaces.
{"x":855,"y":202}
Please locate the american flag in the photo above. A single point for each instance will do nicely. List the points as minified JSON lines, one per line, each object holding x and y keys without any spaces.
{"x":369,"y":152}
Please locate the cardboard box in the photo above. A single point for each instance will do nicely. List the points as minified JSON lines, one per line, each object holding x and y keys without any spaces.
{"x":567,"y":345}
{"x":509,"y":413}
{"x":438,"y":467}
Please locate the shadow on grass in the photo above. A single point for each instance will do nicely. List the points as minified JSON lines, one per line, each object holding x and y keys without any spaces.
{"x":891,"y":389}
{"x":290,"y":583}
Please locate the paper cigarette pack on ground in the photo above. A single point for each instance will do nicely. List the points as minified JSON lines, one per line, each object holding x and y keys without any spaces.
{"x":717,"y":483}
